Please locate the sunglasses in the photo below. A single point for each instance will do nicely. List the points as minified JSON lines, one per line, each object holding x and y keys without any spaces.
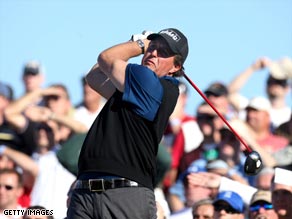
{"x":52,"y":97}
{"x":7,"y":187}
{"x":258,"y":206}
{"x":228,"y":209}
{"x":162,"y":49}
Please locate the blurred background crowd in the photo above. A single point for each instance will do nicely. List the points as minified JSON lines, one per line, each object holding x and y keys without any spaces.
{"x":200,"y":161}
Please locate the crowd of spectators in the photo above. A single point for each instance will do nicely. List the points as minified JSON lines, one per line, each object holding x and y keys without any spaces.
{"x":200,"y":161}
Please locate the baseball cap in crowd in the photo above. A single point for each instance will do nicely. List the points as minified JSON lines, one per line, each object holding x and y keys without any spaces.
{"x":6,"y":91}
{"x":261,"y":196}
{"x":194,"y":167}
{"x":217,"y":164}
{"x":231,"y":198}
{"x":32,"y":68}
{"x":216,"y":89}
{"x":176,"y":40}
{"x":259,"y":103}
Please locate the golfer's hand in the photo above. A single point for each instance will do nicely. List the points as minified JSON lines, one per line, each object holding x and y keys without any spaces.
{"x":140,"y":36}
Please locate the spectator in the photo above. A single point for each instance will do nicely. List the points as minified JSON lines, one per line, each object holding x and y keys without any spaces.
{"x":282,"y":193}
{"x":23,"y":115}
{"x":264,"y":178}
{"x":276,"y":90}
{"x":228,"y":204}
{"x":33,"y":76}
{"x":258,"y":118}
{"x":230,"y":151}
{"x":183,"y":194}
{"x":16,"y":160}
{"x":90,"y":106}
{"x":46,"y":171}
{"x":203,"y":209}
{"x":8,"y":136}
{"x":261,"y":206}
{"x":11,"y":189}
{"x":185,"y":148}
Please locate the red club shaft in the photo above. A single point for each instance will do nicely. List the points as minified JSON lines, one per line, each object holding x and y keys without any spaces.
{"x":217,"y":112}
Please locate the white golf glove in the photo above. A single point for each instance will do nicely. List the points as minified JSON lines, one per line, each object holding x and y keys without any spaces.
{"x":141,"y":36}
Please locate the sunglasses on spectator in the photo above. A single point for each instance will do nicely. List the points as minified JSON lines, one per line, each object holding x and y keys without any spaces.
{"x":228,"y":209}
{"x":258,"y":206}
{"x":7,"y":187}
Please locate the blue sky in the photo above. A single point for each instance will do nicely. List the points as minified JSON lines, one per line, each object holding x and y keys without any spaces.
{"x":66,"y":36}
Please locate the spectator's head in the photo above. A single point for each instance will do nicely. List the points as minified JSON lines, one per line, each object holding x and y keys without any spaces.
{"x":217,"y":93}
{"x":208,"y":121}
{"x":45,"y":137}
{"x":258,"y":114}
{"x":282,"y":193}
{"x":217,"y":166}
{"x":40,"y":212}
{"x":229,"y":147}
{"x":193,"y":192}
{"x":90,"y":96}
{"x":277,"y":87}
{"x":203,"y":209}
{"x":11,"y":188}
{"x":59,"y":104}
{"x":33,"y":76}
{"x":264,"y":178}
{"x":6,"y":162}
{"x":261,"y":206}
{"x":228,"y":204}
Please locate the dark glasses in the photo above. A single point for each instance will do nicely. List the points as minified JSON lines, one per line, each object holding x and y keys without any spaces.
{"x":7,"y":187}
{"x":162,"y":49}
{"x":226,"y":208}
{"x":258,"y":206}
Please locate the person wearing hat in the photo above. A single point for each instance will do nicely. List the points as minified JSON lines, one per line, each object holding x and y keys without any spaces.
{"x":258,"y":118}
{"x":184,"y":194}
{"x":117,"y":162}
{"x":277,"y":89}
{"x":261,"y":206}
{"x":229,"y":205}
{"x":33,"y":76}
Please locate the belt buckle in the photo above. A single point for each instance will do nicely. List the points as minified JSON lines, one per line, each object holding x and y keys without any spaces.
{"x":96,"y":185}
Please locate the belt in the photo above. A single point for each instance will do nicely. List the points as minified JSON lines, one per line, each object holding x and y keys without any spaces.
{"x":100,"y":185}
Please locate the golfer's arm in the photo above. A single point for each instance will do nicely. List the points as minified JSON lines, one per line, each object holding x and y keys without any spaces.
{"x":113,"y":61}
{"x":100,"y":82}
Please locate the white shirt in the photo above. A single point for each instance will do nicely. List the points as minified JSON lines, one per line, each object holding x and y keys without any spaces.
{"x":82,"y":114}
{"x":280,"y":116}
{"x":51,"y":185}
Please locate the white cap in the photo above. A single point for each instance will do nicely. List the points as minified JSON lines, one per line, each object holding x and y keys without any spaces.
{"x":259,"y":103}
{"x":281,"y":69}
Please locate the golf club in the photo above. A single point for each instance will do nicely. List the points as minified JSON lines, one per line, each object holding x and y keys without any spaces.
{"x":253,"y":162}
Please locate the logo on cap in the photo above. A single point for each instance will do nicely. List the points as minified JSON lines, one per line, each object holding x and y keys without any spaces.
{"x":172,"y":34}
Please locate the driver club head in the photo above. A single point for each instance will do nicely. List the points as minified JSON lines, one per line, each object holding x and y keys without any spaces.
{"x":253,"y":163}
